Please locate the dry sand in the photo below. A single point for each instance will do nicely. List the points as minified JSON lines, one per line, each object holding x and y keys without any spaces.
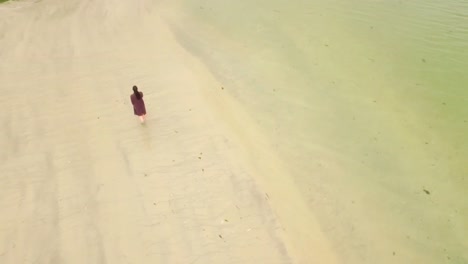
{"x":83,"y":182}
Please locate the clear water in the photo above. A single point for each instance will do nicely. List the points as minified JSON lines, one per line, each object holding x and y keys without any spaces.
{"x":367,"y":103}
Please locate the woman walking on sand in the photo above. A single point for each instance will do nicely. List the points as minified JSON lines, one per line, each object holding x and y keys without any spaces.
{"x":139,"y":108}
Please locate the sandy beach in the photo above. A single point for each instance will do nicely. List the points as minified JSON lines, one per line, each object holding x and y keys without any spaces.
{"x":83,"y":182}
{"x":274,"y":134}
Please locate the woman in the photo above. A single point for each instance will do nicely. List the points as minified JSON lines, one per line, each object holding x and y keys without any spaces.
{"x":139,"y":108}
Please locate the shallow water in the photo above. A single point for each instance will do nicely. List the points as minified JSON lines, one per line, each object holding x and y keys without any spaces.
{"x":367,"y":103}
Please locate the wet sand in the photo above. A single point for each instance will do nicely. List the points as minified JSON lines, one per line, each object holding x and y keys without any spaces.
{"x":83,"y":182}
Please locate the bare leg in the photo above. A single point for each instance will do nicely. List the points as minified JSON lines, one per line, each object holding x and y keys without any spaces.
{"x":142,"y":118}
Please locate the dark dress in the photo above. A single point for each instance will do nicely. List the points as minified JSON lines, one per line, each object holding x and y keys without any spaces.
{"x":139,"y":108}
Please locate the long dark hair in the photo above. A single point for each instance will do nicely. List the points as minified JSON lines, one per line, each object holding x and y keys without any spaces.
{"x":136,"y":92}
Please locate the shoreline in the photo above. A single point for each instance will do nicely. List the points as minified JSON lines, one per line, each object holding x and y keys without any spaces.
{"x":306,"y":241}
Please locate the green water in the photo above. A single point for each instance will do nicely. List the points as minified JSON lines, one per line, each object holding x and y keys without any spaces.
{"x":366,"y":101}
